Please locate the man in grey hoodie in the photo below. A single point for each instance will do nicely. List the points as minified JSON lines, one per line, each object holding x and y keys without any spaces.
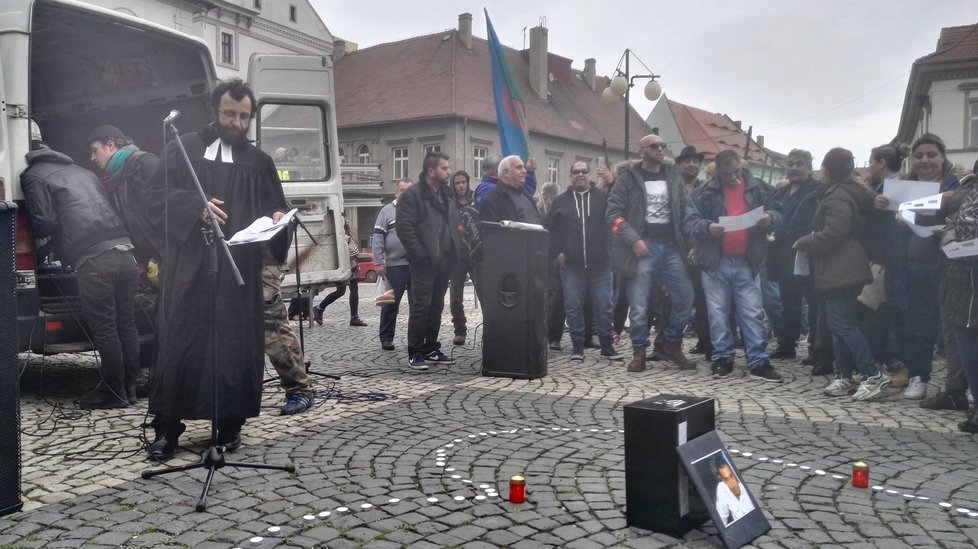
{"x":390,"y":260}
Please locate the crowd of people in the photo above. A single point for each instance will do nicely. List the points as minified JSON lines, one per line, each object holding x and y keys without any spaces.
{"x":827,"y":258}
{"x":647,"y":240}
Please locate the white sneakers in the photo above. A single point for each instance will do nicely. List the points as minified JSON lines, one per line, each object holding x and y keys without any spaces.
{"x":838,"y":387}
{"x":916,"y":389}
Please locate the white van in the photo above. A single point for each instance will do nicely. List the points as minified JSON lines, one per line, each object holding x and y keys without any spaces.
{"x":72,"y":66}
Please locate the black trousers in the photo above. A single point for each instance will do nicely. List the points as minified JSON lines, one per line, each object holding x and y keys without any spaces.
{"x":459,"y":272}
{"x":107,"y":289}
{"x":794,"y":289}
{"x":427,"y":299}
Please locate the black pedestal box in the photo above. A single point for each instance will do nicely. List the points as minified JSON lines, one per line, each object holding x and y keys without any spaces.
{"x":659,"y":495}
{"x":514,"y":292}
{"x":9,"y":376}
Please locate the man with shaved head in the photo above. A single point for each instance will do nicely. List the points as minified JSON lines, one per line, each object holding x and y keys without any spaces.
{"x":646,"y":207}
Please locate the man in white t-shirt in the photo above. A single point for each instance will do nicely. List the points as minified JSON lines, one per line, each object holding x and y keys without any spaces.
{"x":732,"y":501}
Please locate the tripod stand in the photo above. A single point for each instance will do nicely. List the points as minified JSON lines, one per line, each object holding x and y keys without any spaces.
{"x":213,"y":237}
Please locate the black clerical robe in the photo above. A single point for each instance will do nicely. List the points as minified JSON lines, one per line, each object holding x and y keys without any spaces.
{"x":245,"y":178}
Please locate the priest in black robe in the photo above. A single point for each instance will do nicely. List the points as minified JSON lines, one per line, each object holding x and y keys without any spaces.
{"x":242,"y":184}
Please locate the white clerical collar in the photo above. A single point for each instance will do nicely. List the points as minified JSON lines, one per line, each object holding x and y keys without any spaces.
{"x":211,"y":152}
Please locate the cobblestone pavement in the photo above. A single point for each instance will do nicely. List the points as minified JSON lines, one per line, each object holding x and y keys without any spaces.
{"x":422,"y":459}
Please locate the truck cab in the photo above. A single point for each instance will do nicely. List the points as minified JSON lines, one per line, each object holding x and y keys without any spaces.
{"x":70,"y":67}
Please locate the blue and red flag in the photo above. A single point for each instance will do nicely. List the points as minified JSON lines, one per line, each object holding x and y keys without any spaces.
{"x":510,"y":114}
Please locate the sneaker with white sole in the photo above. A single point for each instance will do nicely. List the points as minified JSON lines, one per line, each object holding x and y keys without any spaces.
{"x":438,"y":357}
{"x":871,"y":387}
{"x":839,"y":387}
{"x":417,"y":362}
{"x":916,"y":389}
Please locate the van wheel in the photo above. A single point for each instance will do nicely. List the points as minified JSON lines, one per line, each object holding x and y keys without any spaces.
{"x":371,"y":276}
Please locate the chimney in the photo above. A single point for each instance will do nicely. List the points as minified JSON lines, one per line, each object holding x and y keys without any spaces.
{"x":538,"y":61}
{"x":760,"y":141}
{"x":341,"y":48}
{"x":465,"y":29}
{"x":589,"y":73}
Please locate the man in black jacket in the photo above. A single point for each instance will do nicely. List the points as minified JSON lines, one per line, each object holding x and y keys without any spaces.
{"x":126,"y":175}
{"x":68,"y":206}
{"x":797,"y":211}
{"x":428,"y":228}
{"x":508,"y":201}
{"x":579,"y":242}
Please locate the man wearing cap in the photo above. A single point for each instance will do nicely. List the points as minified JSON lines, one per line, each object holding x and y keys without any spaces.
{"x":688,"y":165}
{"x":646,"y":207}
{"x":126,"y":173}
{"x":67,"y":206}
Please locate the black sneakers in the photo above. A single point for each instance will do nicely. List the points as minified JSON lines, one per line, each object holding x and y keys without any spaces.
{"x":765,"y":372}
{"x":721,"y":368}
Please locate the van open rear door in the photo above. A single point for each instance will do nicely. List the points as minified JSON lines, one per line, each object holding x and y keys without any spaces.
{"x":296,"y":125}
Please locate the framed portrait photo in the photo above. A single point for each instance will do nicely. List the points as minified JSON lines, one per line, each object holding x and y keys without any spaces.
{"x":738,"y":517}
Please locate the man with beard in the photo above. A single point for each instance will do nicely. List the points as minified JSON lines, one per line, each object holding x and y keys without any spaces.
{"x":241,"y":184}
{"x":428,"y":227}
{"x":509,"y":201}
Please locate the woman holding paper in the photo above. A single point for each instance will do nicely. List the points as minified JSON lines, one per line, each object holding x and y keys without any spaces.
{"x":840,"y":269}
{"x":924,"y":268}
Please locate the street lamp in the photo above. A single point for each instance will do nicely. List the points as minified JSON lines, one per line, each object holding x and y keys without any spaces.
{"x":622,"y":83}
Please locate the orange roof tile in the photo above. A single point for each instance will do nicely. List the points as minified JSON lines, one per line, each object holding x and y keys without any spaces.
{"x":711,"y":132}
{"x":435,"y":76}
{"x":955,"y":44}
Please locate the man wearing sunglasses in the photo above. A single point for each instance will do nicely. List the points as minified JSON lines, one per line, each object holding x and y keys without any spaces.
{"x":579,"y":242}
{"x":645,"y":211}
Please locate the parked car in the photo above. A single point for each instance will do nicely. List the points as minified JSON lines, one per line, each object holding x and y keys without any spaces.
{"x":367,"y":271}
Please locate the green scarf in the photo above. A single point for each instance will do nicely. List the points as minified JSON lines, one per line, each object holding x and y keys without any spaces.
{"x":119,"y":158}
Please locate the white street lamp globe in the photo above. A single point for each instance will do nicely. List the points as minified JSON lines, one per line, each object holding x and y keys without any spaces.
{"x":609,"y":96}
{"x":619,"y":85}
{"x":653,"y":90}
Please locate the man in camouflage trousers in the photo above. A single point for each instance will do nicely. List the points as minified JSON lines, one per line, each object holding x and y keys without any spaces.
{"x":281,"y":345}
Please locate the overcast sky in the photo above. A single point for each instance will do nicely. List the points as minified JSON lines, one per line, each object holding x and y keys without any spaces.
{"x":807,"y":74}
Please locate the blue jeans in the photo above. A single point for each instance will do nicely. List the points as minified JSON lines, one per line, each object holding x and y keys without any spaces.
{"x":577,"y":282}
{"x":848,"y":340}
{"x":399,"y":277}
{"x":734,"y":283}
{"x":664,"y":264}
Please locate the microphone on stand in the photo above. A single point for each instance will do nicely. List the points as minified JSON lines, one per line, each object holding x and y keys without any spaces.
{"x":174,"y":114}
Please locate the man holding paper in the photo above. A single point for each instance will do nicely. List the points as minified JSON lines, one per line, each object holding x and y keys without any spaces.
{"x":242,"y":185}
{"x":730,"y":261}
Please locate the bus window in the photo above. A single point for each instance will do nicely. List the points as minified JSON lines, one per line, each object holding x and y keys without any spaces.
{"x":295,"y":137}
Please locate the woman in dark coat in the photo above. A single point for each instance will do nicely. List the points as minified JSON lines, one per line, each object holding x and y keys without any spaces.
{"x":840,"y":268}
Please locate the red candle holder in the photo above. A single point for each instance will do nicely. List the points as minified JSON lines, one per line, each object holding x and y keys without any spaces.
{"x":860,"y":475}
{"x":517,"y":489}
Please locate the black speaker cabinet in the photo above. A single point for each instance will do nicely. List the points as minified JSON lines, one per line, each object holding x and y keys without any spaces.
{"x":9,"y":378}
{"x":514,"y":295}
{"x":659,"y":495}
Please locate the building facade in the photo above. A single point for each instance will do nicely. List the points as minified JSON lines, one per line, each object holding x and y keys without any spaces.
{"x":942,"y":96}
{"x":235,"y":29}
{"x":398,"y":101}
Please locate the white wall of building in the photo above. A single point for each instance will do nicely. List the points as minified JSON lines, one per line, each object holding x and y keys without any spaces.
{"x":949,"y":117}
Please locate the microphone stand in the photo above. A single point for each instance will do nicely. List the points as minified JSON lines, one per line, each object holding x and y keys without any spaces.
{"x":214,"y":457}
{"x":298,"y":289}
